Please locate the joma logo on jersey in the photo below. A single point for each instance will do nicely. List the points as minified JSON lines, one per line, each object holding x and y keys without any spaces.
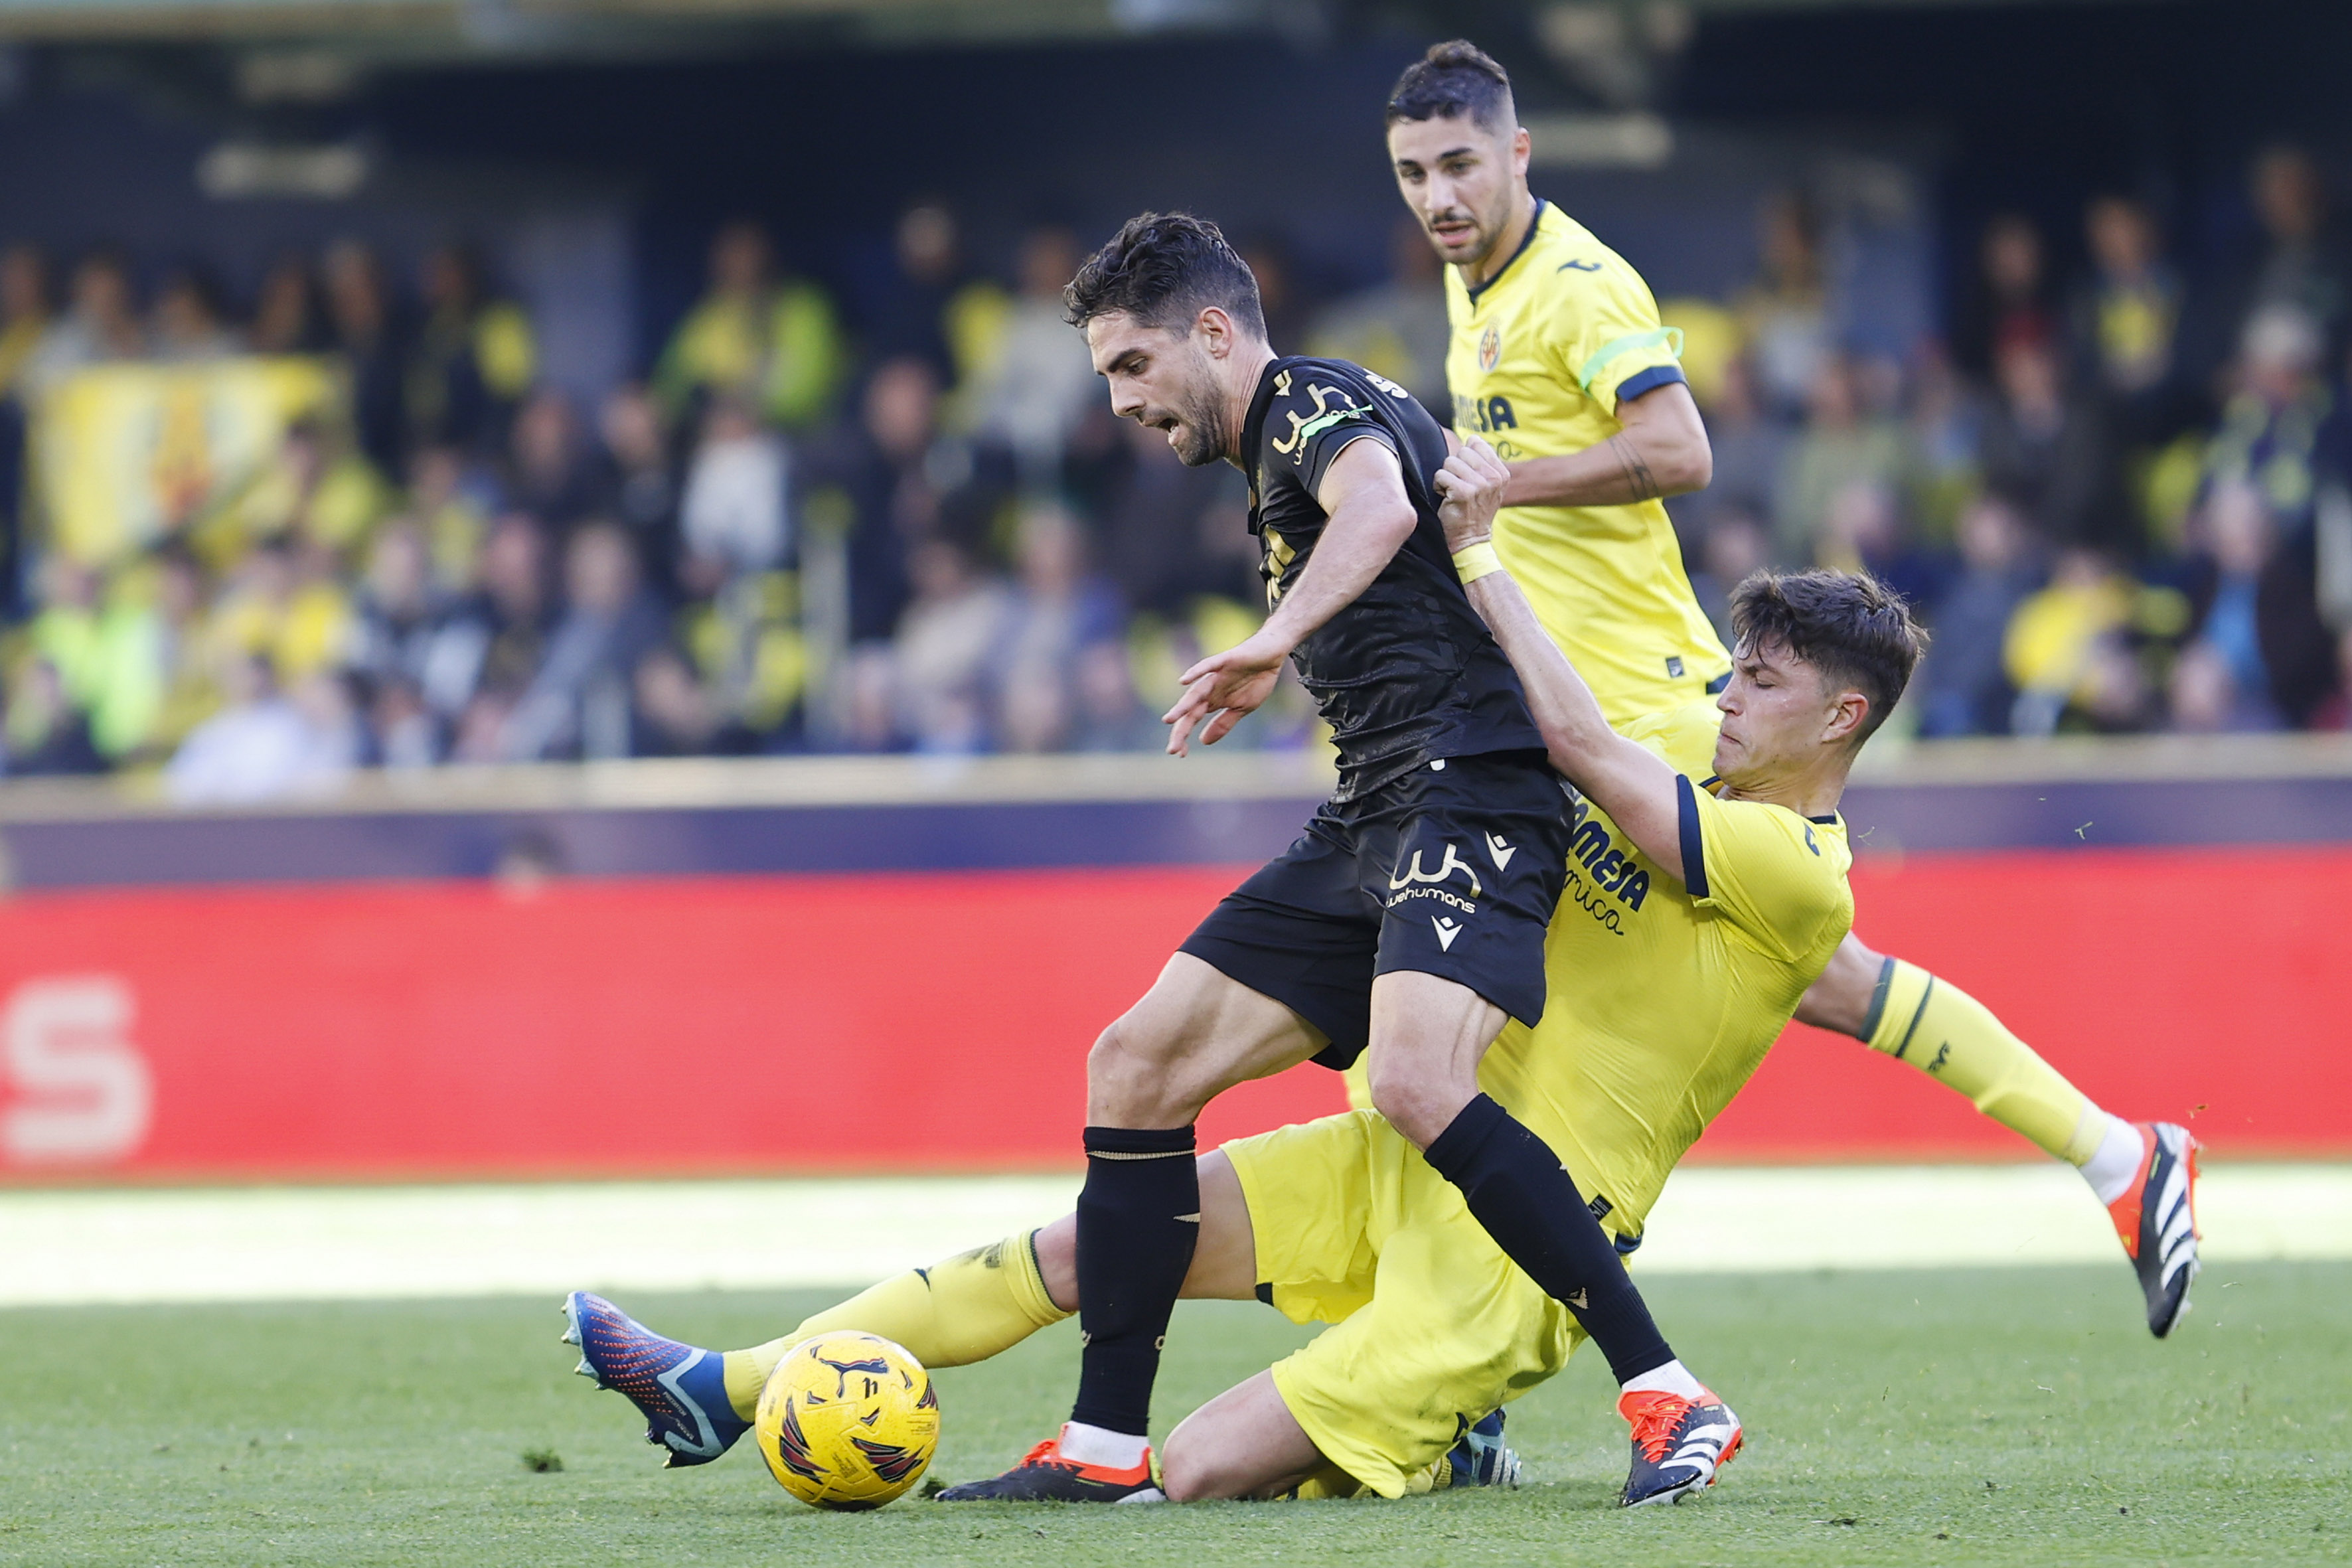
{"x":1484,"y":414}
{"x":1614,"y":870}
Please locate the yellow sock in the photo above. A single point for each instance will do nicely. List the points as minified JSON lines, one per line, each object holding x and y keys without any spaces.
{"x":966,"y":1309}
{"x":1953,"y":1037}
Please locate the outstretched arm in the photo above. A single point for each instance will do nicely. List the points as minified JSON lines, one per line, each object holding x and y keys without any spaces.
{"x":1661,"y":450}
{"x":1363,"y":494}
{"x":1630,"y":783}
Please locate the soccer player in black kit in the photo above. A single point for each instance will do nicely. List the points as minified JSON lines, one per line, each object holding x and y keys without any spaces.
{"x":1408,"y":919}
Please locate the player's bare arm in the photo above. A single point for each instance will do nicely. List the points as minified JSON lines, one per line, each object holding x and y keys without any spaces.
{"x":1661,"y":452}
{"x":1632,"y":785}
{"x":1461,"y":159}
{"x":1364,"y":494}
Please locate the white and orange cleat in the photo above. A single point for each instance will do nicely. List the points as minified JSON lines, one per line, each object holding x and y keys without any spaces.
{"x":2157,"y":1218}
{"x":1680,"y":1445}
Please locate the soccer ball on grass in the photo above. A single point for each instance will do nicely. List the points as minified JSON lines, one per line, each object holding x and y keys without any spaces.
{"x":847,"y":1421}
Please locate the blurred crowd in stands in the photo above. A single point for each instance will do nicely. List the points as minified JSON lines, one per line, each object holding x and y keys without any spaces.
{"x":2123,"y":499}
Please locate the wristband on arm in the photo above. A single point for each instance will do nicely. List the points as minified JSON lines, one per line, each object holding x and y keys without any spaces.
{"x":1476,"y":561}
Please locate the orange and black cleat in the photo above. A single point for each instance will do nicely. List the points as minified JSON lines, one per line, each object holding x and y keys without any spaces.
{"x":1045,"y":1476}
{"x":1679,"y":1445}
{"x":2157,"y":1218}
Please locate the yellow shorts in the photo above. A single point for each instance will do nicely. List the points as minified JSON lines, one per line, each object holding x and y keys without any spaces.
{"x":1433,"y":1326}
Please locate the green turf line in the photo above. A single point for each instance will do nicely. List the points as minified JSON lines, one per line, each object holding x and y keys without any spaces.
{"x":1946,"y":1416}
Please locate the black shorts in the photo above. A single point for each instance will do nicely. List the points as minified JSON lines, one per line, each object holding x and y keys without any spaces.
{"x":1453,"y":870}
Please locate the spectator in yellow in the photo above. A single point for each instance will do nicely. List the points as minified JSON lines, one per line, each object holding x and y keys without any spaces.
{"x":474,"y":359}
{"x":2071,"y":648}
{"x":313,"y":485}
{"x":775,"y":344}
{"x":112,"y":647}
{"x":2128,"y":314}
{"x":286,"y":602}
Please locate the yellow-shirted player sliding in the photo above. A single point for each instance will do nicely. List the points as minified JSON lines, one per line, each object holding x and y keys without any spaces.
{"x":1695,"y":922}
{"x":1559,"y":360}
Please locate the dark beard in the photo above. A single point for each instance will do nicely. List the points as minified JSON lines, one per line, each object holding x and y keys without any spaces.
{"x":1205,"y":439}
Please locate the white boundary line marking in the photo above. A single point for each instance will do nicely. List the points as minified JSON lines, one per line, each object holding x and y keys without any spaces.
{"x":357,"y":1243}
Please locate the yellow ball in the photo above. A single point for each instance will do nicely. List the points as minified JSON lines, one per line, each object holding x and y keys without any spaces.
{"x":847,"y":1421}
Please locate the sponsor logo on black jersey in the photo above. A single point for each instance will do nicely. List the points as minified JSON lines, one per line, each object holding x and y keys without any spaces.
{"x":1326,"y":413}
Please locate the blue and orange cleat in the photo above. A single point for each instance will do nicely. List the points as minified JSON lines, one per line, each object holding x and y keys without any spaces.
{"x":1044,"y":1475}
{"x":679,"y":1389}
{"x":2157,"y":1218}
{"x":1680,"y":1445}
{"x":1479,"y":1458}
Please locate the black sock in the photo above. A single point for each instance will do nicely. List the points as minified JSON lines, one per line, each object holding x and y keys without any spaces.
{"x":1529,"y":1204}
{"x":1139,"y":1221}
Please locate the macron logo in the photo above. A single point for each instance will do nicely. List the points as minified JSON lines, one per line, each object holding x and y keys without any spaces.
{"x":1501,"y":851}
{"x":1446,"y":932}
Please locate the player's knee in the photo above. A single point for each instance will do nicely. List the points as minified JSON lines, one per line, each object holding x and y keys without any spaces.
{"x":1113,"y":1074}
{"x":1128,"y":1080}
{"x":1189,"y":1471}
{"x":1418,"y":1103}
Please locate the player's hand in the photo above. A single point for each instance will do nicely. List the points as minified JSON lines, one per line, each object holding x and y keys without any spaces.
{"x":1223,"y":688}
{"x":1470,"y":491}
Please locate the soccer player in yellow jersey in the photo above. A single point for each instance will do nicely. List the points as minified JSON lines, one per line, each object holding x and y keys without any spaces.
{"x":1559,"y":360}
{"x":1712,"y":893}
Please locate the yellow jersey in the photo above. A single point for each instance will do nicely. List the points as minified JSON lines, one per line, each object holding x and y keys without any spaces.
{"x":1540,"y":357}
{"x":1665,"y":995}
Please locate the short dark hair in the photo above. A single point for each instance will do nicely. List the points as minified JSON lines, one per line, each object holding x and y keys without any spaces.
{"x":1456,"y":79}
{"x":1164,"y":269}
{"x":1851,"y":627}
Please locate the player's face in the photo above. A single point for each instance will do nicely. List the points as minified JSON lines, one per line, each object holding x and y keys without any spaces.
{"x":1459,"y":177}
{"x":1160,"y":379}
{"x":1779,"y":712}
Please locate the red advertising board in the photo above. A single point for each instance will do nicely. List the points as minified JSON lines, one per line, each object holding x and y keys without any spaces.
{"x":941,"y":1021}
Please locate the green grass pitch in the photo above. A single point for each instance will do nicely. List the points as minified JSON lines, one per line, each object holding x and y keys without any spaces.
{"x":1933,"y":1418}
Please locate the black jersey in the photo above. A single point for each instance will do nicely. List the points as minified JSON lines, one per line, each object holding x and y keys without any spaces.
{"x":1407,"y":673}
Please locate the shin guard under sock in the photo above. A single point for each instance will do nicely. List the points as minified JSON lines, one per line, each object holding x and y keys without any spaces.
{"x":1529,"y":1204}
{"x":1139,"y":1221}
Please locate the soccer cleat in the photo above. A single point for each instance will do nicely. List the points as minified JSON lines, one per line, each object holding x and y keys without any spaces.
{"x":1045,"y":1475}
{"x":2157,"y":1218}
{"x":1679,"y":1445}
{"x":1479,"y":1458}
{"x":679,"y":1389}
